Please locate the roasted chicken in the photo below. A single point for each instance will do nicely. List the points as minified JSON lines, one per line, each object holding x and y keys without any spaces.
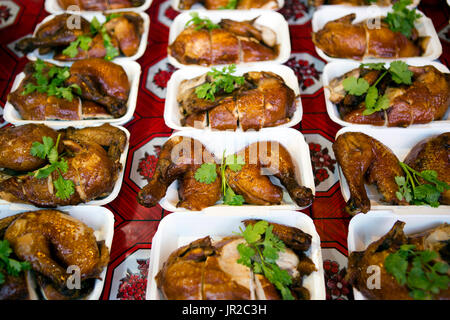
{"x":93,"y":165}
{"x":341,"y":38}
{"x":51,"y":241}
{"x":436,"y":240}
{"x":426,"y":99}
{"x":264,"y":100}
{"x":181,"y":157}
{"x":100,"y":5}
{"x":222,"y":4}
{"x":381,"y":3}
{"x":208,"y":270}
{"x":104,"y":89}
{"x":124,"y":30}
{"x":230,"y":42}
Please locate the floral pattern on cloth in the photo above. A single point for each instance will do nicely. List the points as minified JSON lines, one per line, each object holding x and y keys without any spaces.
{"x":321,"y":161}
{"x":133,"y":286}
{"x":337,"y":288}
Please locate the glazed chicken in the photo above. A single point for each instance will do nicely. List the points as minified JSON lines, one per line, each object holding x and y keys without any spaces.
{"x":104,"y":93}
{"x":51,"y":241}
{"x":364,"y":159}
{"x":381,"y":3}
{"x":124,"y":29}
{"x":232,"y":42}
{"x":436,"y":239}
{"x":93,"y":158}
{"x":252,"y":182}
{"x":343,"y":39}
{"x":220,"y":4}
{"x":264,"y":100}
{"x":208,"y":270}
{"x":426,"y":99}
{"x":100,"y":5}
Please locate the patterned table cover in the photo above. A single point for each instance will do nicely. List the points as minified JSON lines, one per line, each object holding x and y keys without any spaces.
{"x":135,"y":225}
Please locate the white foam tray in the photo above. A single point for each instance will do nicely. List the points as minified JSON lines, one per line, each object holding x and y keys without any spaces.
{"x":367,"y":228}
{"x":101,"y":18}
{"x":424,"y":26}
{"x":218,"y":141}
{"x":338,"y":68}
{"x":400,"y":141}
{"x":170,"y":237}
{"x":414,"y":4}
{"x":52,"y":6}
{"x":133,"y":71}
{"x":98,"y":218}
{"x":198,"y":6}
{"x":268,"y":18}
{"x":172,"y":115}
{"x":98,"y":202}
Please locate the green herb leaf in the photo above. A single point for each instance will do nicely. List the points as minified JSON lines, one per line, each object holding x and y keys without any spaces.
{"x":373,"y":66}
{"x":355,"y":86}
{"x":401,"y":19}
{"x":221,"y":80}
{"x":400,"y":72}
{"x":64,"y":188}
{"x":206,"y":173}
{"x":201,"y":23}
{"x":8,"y":264}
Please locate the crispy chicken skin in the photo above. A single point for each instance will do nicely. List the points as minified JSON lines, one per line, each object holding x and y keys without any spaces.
{"x":435,"y":239}
{"x":100,"y":5}
{"x":51,"y":241}
{"x":93,"y":170}
{"x":219,"y":4}
{"x":433,"y":154}
{"x":208,"y":270}
{"x":364,"y":159}
{"x":343,"y":39}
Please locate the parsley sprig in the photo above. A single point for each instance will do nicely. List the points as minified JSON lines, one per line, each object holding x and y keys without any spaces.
{"x":401,"y":19}
{"x":426,"y":276}
{"x":51,"y":82}
{"x":232,"y":4}
{"x":48,"y":150}
{"x":10,"y":265}
{"x":221,"y":80}
{"x":200,"y":23}
{"x":400,"y":74}
{"x":414,"y":192}
{"x":260,"y":253}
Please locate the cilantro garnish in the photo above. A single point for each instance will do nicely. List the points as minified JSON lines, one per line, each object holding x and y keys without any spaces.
{"x":10,"y":265}
{"x":64,"y":188}
{"x":201,"y":23}
{"x":416,"y":193}
{"x":426,"y":276}
{"x":82,"y":41}
{"x":220,"y":80}
{"x":206,"y":173}
{"x":51,"y":82}
{"x":401,"y":19}
{"x":260,"y":253}
{"x":232,"y":4}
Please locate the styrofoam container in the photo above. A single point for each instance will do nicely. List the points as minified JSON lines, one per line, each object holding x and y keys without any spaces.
{"x":172,"y":115}
{"x":170,"y":237}
{"x":198,"y":6}
{"x":424,"y":26}
{"x":267,"y":18}
{"x":400,"y":141}
{"x":97,"y":202}
{"x":98,"y":218}
{"x":133,"y":71}
{"x":338,"y":68}
{"x":101,"y":18}
{"x":218,"y":141}
{"x":52,"y":6}
{"x":365,"y":229}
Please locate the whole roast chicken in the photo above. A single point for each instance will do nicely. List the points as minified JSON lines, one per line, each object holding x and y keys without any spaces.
{"x":208,"y":270}
{"x":93,"y":164}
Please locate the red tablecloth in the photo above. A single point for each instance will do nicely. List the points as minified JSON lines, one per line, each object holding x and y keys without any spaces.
{"x":136,"y":225}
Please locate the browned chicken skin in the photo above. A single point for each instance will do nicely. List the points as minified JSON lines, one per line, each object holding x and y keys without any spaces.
{"x":343,"y":39}
{"x":435,"y":239}
{"x":364,"y":159}
{"x":93,"y":170}
{"x":100,"y":5}
{"x":381,"y":3}
{"x":220,"y":4}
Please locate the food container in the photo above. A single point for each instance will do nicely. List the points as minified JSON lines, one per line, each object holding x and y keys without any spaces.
{"x":98,"y":218}
{"x":424,"y":26}
{"x":98,"y":202}
{"x":198,"y":6}
{"x":400,"y":141}
{"x":101,"y":18}
{"x":218,"y":141}
{"x":172,"y":115}
{"x":338,"y":68}
{"x":133,"y":71}
{"x":367,"y":228}
{"x":414,"y":4}
{"x":267,"y":18}
{"x":52,"y":6}
{"x":170,"y":237}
